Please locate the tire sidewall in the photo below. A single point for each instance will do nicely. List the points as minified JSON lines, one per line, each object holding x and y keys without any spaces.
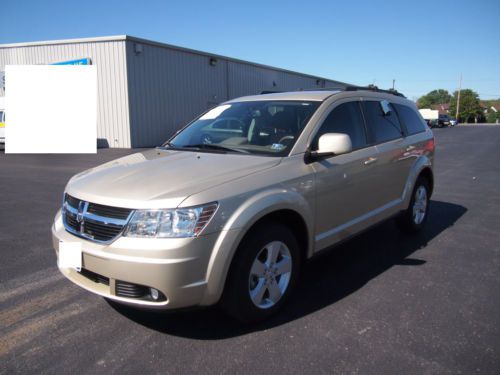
{"x":236,"y":297}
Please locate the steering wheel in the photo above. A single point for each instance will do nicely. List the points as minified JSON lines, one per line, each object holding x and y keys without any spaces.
{"x":286,"y":137}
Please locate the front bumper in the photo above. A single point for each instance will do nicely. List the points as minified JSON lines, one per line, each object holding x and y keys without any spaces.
{"x":177,"y":267}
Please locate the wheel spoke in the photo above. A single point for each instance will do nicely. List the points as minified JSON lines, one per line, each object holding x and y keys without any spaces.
{"x":273,"y":250}
{"x":284,"y":266}
{"x":419,"y":194}
{"x":274,"y":291}
{"x":270,"y":274}
{"x":258,"y":293}
{"x":258,"y":268}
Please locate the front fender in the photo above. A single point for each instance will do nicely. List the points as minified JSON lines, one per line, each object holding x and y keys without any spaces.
{"x":244,"y":217}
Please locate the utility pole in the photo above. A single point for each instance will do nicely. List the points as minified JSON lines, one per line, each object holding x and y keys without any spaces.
{"x":458,"y":96}
{"x":393,"y":83}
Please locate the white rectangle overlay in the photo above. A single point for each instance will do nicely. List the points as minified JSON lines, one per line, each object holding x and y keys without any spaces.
{"x":70,"y":255}
{"x":50,"y":109}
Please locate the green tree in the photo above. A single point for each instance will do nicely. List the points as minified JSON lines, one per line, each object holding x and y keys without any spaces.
{"x":470,"y":108}
{"x":493,"y":116}
{"x":438,"y":96}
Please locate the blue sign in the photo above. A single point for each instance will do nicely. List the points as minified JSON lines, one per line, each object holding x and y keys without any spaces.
{"x":85,"y":61}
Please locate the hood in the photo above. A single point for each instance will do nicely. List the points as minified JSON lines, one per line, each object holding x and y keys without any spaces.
{"x":162,"y":178}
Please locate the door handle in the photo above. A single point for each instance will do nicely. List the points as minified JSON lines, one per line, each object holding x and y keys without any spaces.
{"x":370,"y":160}
{"x":410,"y":148}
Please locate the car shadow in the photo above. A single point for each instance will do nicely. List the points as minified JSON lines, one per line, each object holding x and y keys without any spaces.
{"x":326,"y":279}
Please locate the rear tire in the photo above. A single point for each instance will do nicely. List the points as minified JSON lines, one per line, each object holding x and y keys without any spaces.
{"x":263,"y":273}
{"x":415,"y":216}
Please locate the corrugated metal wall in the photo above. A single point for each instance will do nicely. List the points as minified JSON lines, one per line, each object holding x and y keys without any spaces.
{"x":147,"y":90}
{"x":109,"y":56}
{"x":247,"y":79}
{"x":168,"y":87}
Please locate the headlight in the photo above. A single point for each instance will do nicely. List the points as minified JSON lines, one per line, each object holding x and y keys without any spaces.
{"x":181,"y":222}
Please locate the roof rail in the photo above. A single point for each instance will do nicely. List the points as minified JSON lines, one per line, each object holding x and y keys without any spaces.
{"x":344,"y":88}
{"x":269,"y":92}
{"x":375,"y":89}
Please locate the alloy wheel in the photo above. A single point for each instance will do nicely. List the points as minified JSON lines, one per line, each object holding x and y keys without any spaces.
{"x":270,"y":274}
{"x":420,"y":205}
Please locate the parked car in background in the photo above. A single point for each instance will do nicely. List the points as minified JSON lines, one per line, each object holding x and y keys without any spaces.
{"x":222,"y":129}
{"x":430,"y":116}
{"x":233,"y":219}
{"x":453,"y":122}
{"x":443,"y":120}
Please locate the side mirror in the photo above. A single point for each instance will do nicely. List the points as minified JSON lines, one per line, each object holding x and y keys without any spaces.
{"x":330,"y":144}
{"x":334,"y":144}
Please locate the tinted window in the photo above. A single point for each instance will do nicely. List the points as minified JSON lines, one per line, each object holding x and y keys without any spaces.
{"x":383,"y":127}
{"x":347,"y":119}
{"x":410,"y":119}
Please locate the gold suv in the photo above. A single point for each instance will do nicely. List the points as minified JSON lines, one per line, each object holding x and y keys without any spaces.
{"x":231,"y":206}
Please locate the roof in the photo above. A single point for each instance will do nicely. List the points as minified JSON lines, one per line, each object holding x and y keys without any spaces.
{"x":158,"y":44}
{"x":322,"y":94}
{"x":291,"y":95}
{"x":66,"y":41}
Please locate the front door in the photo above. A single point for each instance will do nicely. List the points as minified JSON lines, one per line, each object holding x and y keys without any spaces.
{"x":344,"y":183}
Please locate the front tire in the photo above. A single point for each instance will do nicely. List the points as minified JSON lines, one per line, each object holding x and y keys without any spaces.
{"x":263,"y":273}
{"x":415,"y":216}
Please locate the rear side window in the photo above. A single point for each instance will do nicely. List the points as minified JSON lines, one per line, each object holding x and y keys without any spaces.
{"x":383,"y":126}
{"x":410,"y":119}
{"x":347,"y":119}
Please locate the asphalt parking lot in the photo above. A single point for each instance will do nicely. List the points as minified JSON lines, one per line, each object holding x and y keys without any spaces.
{"x":381,"y":303}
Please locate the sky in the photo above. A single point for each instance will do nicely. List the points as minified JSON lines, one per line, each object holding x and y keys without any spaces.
{"x":422,"y":45}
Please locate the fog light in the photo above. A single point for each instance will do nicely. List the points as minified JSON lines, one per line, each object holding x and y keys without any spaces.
{"x":154,"y":294}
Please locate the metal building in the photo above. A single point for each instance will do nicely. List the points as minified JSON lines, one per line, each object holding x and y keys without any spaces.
{"x":148,"y":90}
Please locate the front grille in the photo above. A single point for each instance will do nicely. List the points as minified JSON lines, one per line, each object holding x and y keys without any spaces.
{"x":93,"y":221}
{"x":72,"y":201}
{"x":101,"y":231}
{"x":95,"y":277}
{"x":107,"y":211}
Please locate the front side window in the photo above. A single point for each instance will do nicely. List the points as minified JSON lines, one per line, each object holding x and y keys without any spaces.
{"x":260,"y":127}
{"x":345,"y":118}
{"x":384,"y":126}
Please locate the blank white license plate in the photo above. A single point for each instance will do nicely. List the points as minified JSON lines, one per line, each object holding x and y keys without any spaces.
{"x":70,"y":255}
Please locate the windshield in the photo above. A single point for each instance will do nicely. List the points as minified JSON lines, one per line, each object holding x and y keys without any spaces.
{"x":260,"y":127}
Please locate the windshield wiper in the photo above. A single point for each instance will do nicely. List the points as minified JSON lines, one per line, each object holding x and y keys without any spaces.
{"x":211,"y":146}
{"x":167,"y":146}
